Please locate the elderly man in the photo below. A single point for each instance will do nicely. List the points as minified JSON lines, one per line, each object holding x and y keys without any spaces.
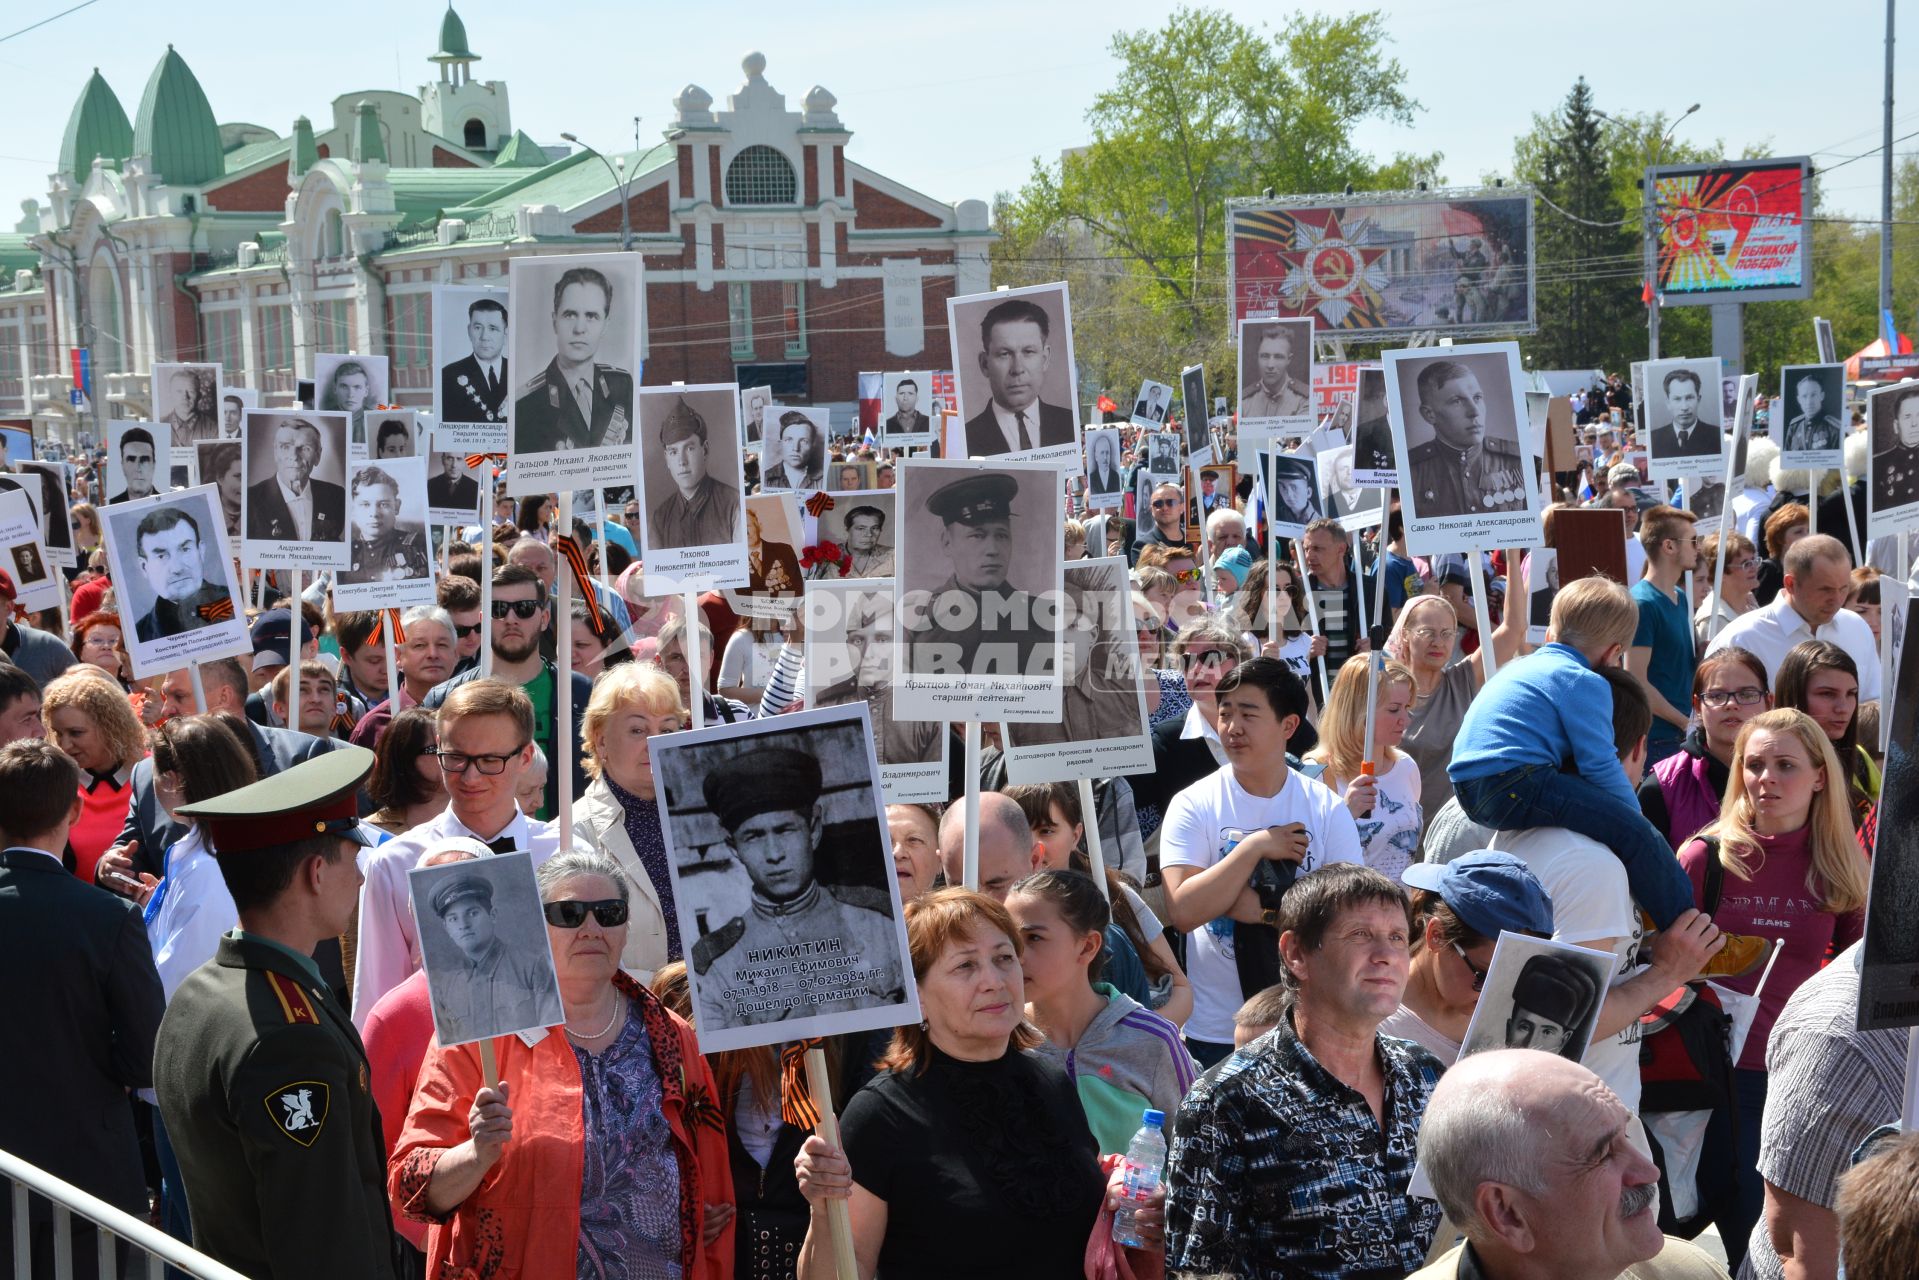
{"x":167,"y":541}
{"x":802,"y":456}
{"x":188,"y":420}
{"x":1810,"y":606}
{"x":1015,"y":352}
{"x":975,"y":622}
{"x":702,"y":510}
{"x":1533,"y":1159}
{"x":576,"y":402}
{"x":1008,"y":849}
{"x":494,"y":988}
{"x":1294,"y":1161}
{"x":382,"y":549}
{"x":290,"y":505}
{"x":767,"y":802}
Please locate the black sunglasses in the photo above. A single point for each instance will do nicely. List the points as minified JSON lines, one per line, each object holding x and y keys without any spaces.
{"x":464,"y":631}
{"x":570,"y":913}
{"x":1479,"y":974}
{"x":522,"y":609}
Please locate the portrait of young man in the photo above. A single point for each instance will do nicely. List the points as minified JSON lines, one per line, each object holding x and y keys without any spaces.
{"x":137,"y":454}
{"x":577,"y":400}
{"x":795,"y":451}
{"x":904,"y":416}
{"x":701,"y":505}
{"x":388,"y":544}
{"x":1472,"y":463}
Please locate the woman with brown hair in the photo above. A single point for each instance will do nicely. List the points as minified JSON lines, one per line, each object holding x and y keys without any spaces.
{"x":1736,"y":586}
{"x":1683,"y":792}
{"x":1783,"y":527}
{"x":407,"y":783}
{"x":1821,"y":679}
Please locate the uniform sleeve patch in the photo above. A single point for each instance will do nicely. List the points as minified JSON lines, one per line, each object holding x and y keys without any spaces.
{"x":299,"y":1109}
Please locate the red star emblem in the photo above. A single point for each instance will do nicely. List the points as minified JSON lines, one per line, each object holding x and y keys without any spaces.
{"x":1328,"y":272}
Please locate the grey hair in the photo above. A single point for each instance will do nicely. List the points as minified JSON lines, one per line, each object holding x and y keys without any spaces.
{"x":428,"y":613}
{"x":1474,"y":1135}
{"x":578,"y":862}
{"x":540,"y":763}
{"x":1222,"y":517}
{"x":1208,"y":628}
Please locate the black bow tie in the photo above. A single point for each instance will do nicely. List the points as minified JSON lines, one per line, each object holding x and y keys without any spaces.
{"x":503,"y":845}
{"x":97,"y":778}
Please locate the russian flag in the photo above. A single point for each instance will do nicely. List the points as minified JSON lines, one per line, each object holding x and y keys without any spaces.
{"x":869,"y":403}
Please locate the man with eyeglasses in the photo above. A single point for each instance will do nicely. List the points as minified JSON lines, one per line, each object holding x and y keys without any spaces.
{"x":1168,"y":529}
{"x":486,"y":745}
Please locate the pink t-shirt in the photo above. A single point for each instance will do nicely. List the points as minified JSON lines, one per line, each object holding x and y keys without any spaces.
{"x":1775,"y":903}
{"x":398,"y":1032}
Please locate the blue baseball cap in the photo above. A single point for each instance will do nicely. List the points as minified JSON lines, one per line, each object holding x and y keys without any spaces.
{"x":1492,"y":892}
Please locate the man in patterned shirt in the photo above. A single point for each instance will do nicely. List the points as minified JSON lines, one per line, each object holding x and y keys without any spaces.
{"x":1294,"y":1161}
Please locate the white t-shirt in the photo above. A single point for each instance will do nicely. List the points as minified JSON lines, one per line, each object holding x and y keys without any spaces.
{"x":1191,"y":836}
{"x":1390,"y":834}
{"x":1587,"y":883}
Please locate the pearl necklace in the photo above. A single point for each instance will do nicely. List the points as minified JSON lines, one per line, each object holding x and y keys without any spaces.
{"x":603,"y":1030}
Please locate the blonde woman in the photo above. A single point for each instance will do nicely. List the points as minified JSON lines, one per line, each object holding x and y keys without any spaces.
{"x":87,"y":715}
{"x":1385,"y":803}
{"x":1781,"y":862}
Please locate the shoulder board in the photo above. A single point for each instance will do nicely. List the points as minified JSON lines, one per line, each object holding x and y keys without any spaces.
{"x":293,"y":1001}
{"x":716,"y":944}
{"x":534,"y":383}
{"x":1498,"y":444}
{"x":611,"y":369}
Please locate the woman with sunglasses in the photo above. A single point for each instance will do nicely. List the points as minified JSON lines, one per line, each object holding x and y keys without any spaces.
{"x":1736,"y":587}
{"x":1683,"y":792}
{"x":597,"y":1151}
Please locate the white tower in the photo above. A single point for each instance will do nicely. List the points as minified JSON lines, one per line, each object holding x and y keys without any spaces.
{"x":456,"y":107}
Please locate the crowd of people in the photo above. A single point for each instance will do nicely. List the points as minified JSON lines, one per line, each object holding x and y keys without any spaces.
{"x":1354,"y":795}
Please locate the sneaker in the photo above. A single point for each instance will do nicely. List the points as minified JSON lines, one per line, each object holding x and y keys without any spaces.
{"x":1743,"y":953}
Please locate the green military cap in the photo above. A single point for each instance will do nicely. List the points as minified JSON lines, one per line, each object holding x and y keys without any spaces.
{"x":976,"y":499}
{"x":315,"y":797}
{"x":461,"y":887}
{"x":682,"y":423}
{"x":767,"y":780}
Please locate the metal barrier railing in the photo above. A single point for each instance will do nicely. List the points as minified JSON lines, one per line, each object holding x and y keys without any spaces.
{"x":156,"y":1247}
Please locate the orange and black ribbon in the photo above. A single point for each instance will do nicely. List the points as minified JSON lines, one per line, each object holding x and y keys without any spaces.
{"x":380,"y":626}
{"x":570,"y":551}
{"x":819,"y":504}
{"x":796,"y":1097}
{"x":475,"y":459}
{"x":220,"y":610}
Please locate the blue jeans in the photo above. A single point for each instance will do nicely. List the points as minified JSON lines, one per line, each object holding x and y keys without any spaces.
{"x":1207,"y":1053}
{"x":1537,"y":795}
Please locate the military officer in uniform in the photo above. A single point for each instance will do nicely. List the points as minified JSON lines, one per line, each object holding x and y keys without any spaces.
{"x":494,"y":989}
{"x":1812,"y":427}
{"x":1094,"y":705}
{"x":869,"y":643}
{"x":575,"y":402}
{"x":1895,"y":468}
{"x":702,"y":510}
{"x":382,"y":551}
{"x":975,"y":623}
{"x":473,"y":388}
{"x":801,"y":948}
{"x":261,"y":1077}
{"x":1277,"y":394}
{"x":1462,"y":471}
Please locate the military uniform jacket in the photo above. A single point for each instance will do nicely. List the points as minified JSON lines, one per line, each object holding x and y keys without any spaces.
{"x":1086,"y":715}
{"x":262,"y":1081}
{"x":466,"y":396}
{"x":546,"y":414}
{"x":1291,"y":401}
{"x":1822,"y":432}
{"x":894,"y":741}
{"x":401,"y":556}
{"x":1447,"y":482}
{"x":1004,"y":638}
{"x":1895,"y":478}
{"x":707,"y":519}
{"x":170,"y":618}
{"x":816,"y":954}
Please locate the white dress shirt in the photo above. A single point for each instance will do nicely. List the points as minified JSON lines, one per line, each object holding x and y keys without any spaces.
{"x":389,"y":945}
{"x":1770,"y":633}
{"x":189,"y":913}
{"x":300,"y":507}
{"x":1009,"y":425}
{"x":1197,"y":727}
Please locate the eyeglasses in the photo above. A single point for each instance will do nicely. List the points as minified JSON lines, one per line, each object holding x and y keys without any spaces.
{"x":464,"y":631}
{"x":570,"y":913}
{"x":1747,"y":565}
{"x":1479,"y":974}
{"x":1206,"y":658}
{"x":455,"y":762}
{"x":522,"y":609}
{"x":1720,"y":698}
{"x":1433,"y":633}
{"x":1159,"y":503}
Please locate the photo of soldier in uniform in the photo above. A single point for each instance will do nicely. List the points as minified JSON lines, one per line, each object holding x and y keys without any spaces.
{"x":1102,"y":705}
{"x":469,"y":350}
{"x":1295,"y":493}
{"x":849,"y":661}
{"x":904,"y":401}
{"x":1013,"y":365}
{"x":133,"y":453}
{"x":186,"y":401}
{"x":483,"y":944}
{"x":1539,"y":994}
{"x":1162,"y":456}
{"x":353,"y":385}
{"x":174,"y":575}
{"x":295,"y":462}
{"x":1374,"y":462}
{"x":690,"y":466}
{"x":576,"y":356}
{"x":1151,"y":404}
{"x":50,"y":507}
{"x":1811,"y":410}
{"x":386,"y":504}
{"x":1194,"y":419}
{"x":1275,"y":377}
{"x":1464,"y":477}
{"x":793,"y":449}
{"x":1892,"y":492}
{"x":782,"y":868}
{"x":1105,"y":483}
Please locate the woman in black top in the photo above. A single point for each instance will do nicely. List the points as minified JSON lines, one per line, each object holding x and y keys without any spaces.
{"x":969,"y":1156}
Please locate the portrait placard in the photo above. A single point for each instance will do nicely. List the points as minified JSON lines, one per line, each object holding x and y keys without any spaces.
{"x":1275,"y":379}
{"x":234,"y":403}
{"x":849,"y":662}
{"x":1375,"y":464}
{"x":1809,"y":418}
{"x":294,"y":507}
{"x":136,"y":453}
{"x":793,"y":448}
{"x":16,"y":442}
{"x":980,"y":580}
{"x":774,"y":535}
{"x":1342,"y":496}
{"x":389,"y":561}
{"x":219,"y":463}
{"x":777,"y":846}
{"x":1705,"y":498}
{"x":690,"y":485}
{"x":865,"y":527}
{"x":1018,"y":388}
{"x":753,"y":403}
{"x":453,"y":489}
{"x":473,"y":372}
{"x":186,"y":400}
{"x":1892,"y":481}
{"x":905,"y":409}
{"x":1102,"y":729}
{"x":1465,"y":481}
{"x":1542,"y":584}
{"x":1292,"y":490}
{"x":36,"y":585}
{"x":173,"y":568}
{"x":1682,"y":403}
{"x":849,"y":475}
{"x":483,"y":944}
{"x":395,"y":433}
{"x":1162,"y":455}
{"x":50,"y":505}
{"x":1209,"y":488}
{"x":1151,"y":405}
{"x":576,"y":360}
{"x":1105,"y":482}
{"x":1539,"y":994}
{"x":354,"y":385}
{"x":1193,"y":418}
{"x":1889,"y":977}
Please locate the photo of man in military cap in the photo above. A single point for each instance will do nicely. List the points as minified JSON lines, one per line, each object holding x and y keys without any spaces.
{"x":489,"y":968}
{"x":1540,"y":994}
{"x":690,"y":466}
{"x":978,"y":621}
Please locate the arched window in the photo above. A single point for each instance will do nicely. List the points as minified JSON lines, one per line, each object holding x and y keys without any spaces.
{"x":105,"y":315}
{"x":476,"y":135}
{"x":333,"y":235}
{"x":761,"y":175}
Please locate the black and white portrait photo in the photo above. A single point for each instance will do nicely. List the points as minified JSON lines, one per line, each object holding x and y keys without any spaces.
{"x":775,"y":532}
{"x":1193,"y":418}
{"x":483,"y":944}
{"x":473,"y":376}
{"x":1539,"y":994}
{"x":906,"y":401}
{"x":136,"y":454}
{"x":1162,"y":456}
{"x":173,"y":571}
{"x":1294,"y":486}
{"x":1275,"y":379}
{"x":295,"y":463}
{"x":186,"y":401}
{"x":1465,"y":479}
{"x":1013,"y":367}
{"x":1151,"y":404}
{"x":862,"y":525}
{"x":1341,"y":495}
{"x":1542,"y":584}
{"x":219,"y":464}
{"x":1101,"y":729}
{"x":576,"y":358}
{"x":1892,"y":488}
{"x":1706,"y":498}
{"x":16,"y":442}
{"x":753,"y":403}
{"x":793,"y":449}
{"x":782,"y":867}
{"x":691,"y":487}
{"x":452,"y":487}
{"x":1683,"y":405}
{"x":353,"y":385}
{"x":1809,"y":418}
{"x":1891,"y":952}
{"x":50,"y":505}
{"x":234,"y":403}
{"x":849,"y":662}
{"x":1105,"y":482}
{"x":20,"y":536}
{"x":29,"y":564}
{"x":395,"y":433}
{"x":979,"y":575}
{"x":389,"y":563}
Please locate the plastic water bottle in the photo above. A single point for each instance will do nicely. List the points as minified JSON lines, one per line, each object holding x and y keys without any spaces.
{"x":1145,"y":1163}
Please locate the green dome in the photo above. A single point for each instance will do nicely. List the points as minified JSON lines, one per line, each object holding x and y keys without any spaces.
{"x":453,"y":46}
{"x":98,"y":127}
{"x":176,"y":127}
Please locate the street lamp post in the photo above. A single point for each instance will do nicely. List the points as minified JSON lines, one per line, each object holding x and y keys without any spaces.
{"x":1649,"y":204}
{"x":618,"y":169}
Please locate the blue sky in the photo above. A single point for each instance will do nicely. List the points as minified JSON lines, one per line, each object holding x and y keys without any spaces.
{"x":957,"y":99}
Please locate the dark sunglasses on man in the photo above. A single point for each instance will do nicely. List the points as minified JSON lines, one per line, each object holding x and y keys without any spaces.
{"x":464,"y":631}
{"x":522,"y":609}
{"x":570,"y":913}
